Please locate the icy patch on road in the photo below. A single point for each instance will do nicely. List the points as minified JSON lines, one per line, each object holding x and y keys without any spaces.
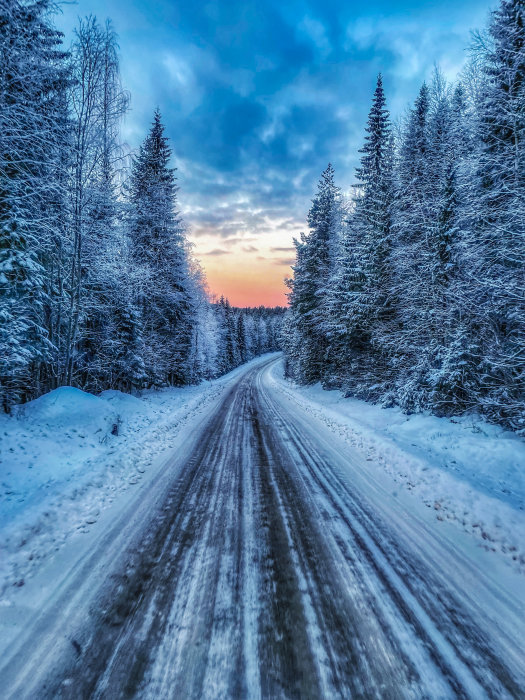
{"x":468,"y":472}
{"x":61,"y":464}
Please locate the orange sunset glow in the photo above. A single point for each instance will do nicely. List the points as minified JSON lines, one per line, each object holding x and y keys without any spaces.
{"x":244,"y":286}
{"x":247,"y":271}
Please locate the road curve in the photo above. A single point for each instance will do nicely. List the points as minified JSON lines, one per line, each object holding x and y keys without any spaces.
{"x":264,"y":572}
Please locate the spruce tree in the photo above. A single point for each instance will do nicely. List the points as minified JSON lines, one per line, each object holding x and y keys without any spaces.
{"x":372,"y":221}
{"x":347,"y":332}
{"x":32,"y":119}
{"x":241,"y":338}
{"x":316,"y":253}
{"x":498,"y":213}
{"x":158,"y":248}
{"x":411,"y":223}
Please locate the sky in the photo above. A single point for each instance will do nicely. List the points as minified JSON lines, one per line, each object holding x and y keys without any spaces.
{"x":258,"y":96}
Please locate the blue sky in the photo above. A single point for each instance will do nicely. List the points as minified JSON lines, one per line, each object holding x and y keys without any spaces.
{"x":258,"y":97}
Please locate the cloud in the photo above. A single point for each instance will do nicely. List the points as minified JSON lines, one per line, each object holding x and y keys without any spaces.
{"x":285,"y":261}
{"x":250,"y":249}
{"x":316,"y":32}
{"x":238,"y":239}
{"x":289,"y":249}
{"x":291,"y":224}
{"x":217,"y":252}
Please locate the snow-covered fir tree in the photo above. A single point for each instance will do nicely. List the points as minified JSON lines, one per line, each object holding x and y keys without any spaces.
{"x":497,"y":213}
{"x":371,"y":307}
{"x":159,"y":252}
{"x":32,"y":133}
{"x":315,"y":256}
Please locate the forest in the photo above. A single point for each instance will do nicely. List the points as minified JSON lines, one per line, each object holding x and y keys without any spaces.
{"x":98,"y":285}
{"x":410,"y":292}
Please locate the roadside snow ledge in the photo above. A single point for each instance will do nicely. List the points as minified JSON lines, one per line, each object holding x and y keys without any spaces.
{"x":470,"y":473}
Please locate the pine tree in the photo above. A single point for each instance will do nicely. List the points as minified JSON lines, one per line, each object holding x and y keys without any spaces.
{"x":159,"y":251}
{"x":315,"y":257}
{"x":498,"y":214}
{"x":32,"y":81}
{"x":241,"y":338}
{"x":372,"y":221}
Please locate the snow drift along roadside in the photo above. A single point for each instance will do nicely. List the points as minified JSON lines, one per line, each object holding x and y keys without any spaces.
{"x":469,"y":472}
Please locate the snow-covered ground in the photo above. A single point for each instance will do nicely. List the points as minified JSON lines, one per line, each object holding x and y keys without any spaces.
{"x":470,"y":473}
{"x":228,"y":516}
{"x":61,"y":466}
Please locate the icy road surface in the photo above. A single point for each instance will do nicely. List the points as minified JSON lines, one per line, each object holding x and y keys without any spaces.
{"x":263,"y":561}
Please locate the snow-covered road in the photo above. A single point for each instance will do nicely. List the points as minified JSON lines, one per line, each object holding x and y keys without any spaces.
{"x":265,"y":560}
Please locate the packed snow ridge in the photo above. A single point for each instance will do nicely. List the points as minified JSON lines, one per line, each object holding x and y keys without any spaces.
{"x":470,"y":472}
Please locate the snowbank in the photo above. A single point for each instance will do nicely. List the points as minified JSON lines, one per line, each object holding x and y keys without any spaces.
{"x":68,"y":408}
{"x":469,"y":472}
{"x":47,"y":444}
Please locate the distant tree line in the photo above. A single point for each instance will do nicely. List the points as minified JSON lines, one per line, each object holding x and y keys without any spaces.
{"x":241,"y":334}
{"x":413,"y":292}
{"x":98,"y":287}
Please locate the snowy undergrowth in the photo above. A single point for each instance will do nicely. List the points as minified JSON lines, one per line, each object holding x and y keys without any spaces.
{"x":61,"y":466}
{"x":467,"y":471}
